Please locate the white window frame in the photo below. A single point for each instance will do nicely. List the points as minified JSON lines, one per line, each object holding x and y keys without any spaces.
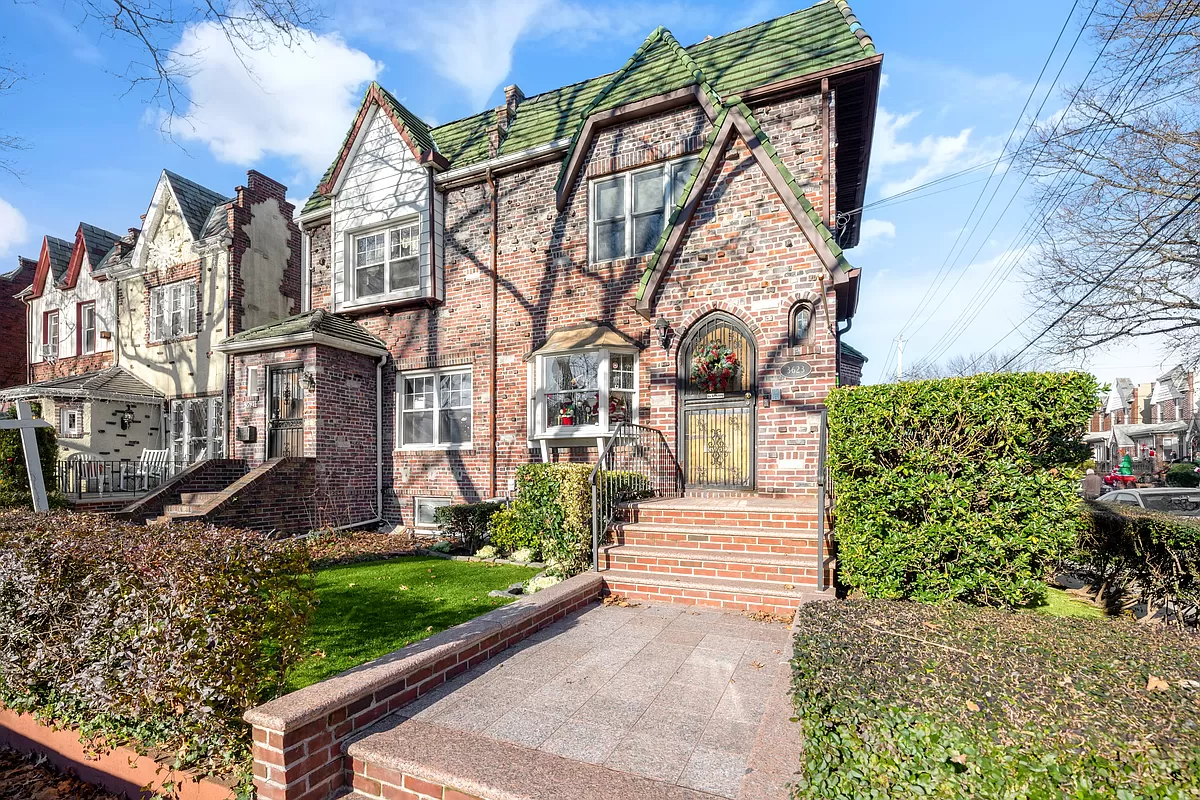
{"x":436,"y":502}
{"x":388,"y":230}
{"x":85,"y":330}
{"x":402,"y":379}
{"x":71,"y":421}
{"x":50,"y":344}
{"x":542,"y":428}
{"x":180,"y":297}
{"x":669,"y":170}
{"x":214,"y":432}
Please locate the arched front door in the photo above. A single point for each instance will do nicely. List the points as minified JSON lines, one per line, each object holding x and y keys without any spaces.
{"x":717,"y":400}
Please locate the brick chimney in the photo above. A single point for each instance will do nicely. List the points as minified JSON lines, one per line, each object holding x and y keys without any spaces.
{"x":258,"y":188}
{"x":1134,"y":414}
{"x":504,"y":117}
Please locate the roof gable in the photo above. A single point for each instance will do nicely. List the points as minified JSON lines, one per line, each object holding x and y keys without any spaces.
{"x":52,"y":263}
{"x":196,"y":203}
{"x":90,"y":242}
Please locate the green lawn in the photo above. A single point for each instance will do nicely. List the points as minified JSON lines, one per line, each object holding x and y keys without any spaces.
{"x":368,"y":610}
{"x":1060,"y":604}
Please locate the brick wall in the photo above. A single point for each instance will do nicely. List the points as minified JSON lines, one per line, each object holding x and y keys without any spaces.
{"x":14,"y":336}
{"x":258,"y":189}
{"x":75,"y":365}
{"x":321,"y":266}
{"x":275,"y":496}
{"x":345,"y":435}
{"x":743,"y":254}
{"x":251,"y":408}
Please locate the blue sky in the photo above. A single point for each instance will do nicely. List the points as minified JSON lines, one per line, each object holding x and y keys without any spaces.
{"x":956,"y":73}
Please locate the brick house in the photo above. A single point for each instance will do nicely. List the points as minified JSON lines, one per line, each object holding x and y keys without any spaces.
{"x":517,"y":284}
{"x":14,"y":355}
{"x":1154,"y":423}
{"x":122,"y":329}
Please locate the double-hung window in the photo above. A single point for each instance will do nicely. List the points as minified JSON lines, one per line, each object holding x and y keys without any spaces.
{"x":71,"y":422}
{"x":87,"y":327}
{"x":387,"y":261}
{"x":50,"y":334}
{"x":172,"y":310}
{"x":586,"y":392}
{"x":435,"y":409}
{"x":628,"y":211}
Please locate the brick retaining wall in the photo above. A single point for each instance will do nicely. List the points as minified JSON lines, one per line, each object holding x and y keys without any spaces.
{"x":299,"y":739}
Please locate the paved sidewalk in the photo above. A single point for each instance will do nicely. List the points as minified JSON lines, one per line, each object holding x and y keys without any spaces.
{"x":670,"y":693}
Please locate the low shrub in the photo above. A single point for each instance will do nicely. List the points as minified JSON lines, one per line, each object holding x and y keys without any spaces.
{"x":902,"y":699}
{"x":522,"y":556}
{"x":539,"y":582}
{"x":14,"y":479}
{"x":466,"y":522}
{"x":487,"y":551}
{"x":551,"y":515}
{"x":151,"y":636}
{"x":963,"y":488}
{"x":1151,"y":554}
{"x":1183,"y":475}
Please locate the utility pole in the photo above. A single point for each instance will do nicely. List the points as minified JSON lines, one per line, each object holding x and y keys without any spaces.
{"x":899,"y":357}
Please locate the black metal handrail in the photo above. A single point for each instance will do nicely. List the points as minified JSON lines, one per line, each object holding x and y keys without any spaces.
{"x":636,"y":464}
{"x":94,"y":478}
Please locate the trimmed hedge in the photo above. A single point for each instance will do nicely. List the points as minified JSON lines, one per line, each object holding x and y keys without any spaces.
{"x":963,"y":488}
{"x":467,"y":522}
{"x":155,"y":636}
{"x":14,"y":479}
{"x":551,"y":515}
{"x":903,"y":699}
{"x":1154,"y":555}
{"x":1183,"y":475}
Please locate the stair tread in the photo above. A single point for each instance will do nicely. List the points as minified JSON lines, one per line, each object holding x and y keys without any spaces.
{"x":698,"y":554}
{"x":731,"y":585}
{"x":803,"y":503}
{"x":715,"y":530}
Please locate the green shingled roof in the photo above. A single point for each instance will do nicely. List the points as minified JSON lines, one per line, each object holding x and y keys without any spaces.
{"x":315,"y":321}
{"x":825,"y":35}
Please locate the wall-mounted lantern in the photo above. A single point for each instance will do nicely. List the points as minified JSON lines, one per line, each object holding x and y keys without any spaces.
{"x":308,"y":381}
{"x":127,"y":417}
{"x":664,"y":332}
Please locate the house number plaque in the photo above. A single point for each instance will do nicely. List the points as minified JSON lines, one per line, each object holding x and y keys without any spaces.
{"x":796,"y":369}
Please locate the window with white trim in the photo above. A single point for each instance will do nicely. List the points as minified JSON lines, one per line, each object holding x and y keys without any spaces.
{"x":627,"y":212}
{"x":71,"y":422}
{"x":172,"y":310}
{"x":196,"y":429}
{"x":387,"y":261}
{"x":50,"y":335}
{"x":585,"y":392}
{"x":87,"y":327}
{"x":424,"y":508}
{"x":435,"y":409}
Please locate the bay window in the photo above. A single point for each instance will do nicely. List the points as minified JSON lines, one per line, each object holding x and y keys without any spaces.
{"x":435,"y":409}
{"x":387,"y":261}
{"x":172,"y":310}
{"x":627,"y":212}
{"x":585,"y":392}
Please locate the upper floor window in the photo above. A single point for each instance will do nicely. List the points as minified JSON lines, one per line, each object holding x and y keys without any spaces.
{"x":388,"y":260}
{"x":87,"y":328}
{"x":585,"y":392}
{"x":627,"y":212}
{"x":435,"y":409}
{"x":50,"y":335}
{"x":172,"y":310}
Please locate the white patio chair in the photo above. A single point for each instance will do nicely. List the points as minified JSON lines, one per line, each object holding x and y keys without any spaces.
{"x":152,"y":466}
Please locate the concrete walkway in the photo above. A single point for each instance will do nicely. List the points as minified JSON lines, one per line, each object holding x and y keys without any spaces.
{"x":671,"y":696}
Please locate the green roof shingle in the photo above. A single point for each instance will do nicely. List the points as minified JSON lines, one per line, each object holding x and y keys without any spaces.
{"x":315,"y":321}
{"x":822,"y":36}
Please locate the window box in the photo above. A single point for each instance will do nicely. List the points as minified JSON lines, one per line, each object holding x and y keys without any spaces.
{"x":434,"y":409}
{"x":627,"y":212}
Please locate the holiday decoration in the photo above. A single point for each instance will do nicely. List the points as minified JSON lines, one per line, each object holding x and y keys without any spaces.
{"x":713,"y":367}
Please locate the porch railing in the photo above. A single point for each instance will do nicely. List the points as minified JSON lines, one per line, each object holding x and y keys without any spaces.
{"x":636,"y":464}
{"x":84,"y":478}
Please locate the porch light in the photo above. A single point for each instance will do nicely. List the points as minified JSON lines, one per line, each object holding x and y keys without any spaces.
{"x":127,"y":417}
{"x":308,"y":381}
{"x":664,"y":331}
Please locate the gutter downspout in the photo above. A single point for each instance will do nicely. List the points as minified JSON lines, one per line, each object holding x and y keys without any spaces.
{"x":494,"y":358}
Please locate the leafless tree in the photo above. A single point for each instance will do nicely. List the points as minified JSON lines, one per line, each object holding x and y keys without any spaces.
{"x":960,"y":366}
{"x":1118,"y":235}
{"x":10,"y":143}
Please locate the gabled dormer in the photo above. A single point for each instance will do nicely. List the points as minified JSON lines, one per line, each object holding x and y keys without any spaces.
{"x":387,"y":217}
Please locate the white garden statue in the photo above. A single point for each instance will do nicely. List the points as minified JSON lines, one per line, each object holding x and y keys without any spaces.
{"x":26,"y":424}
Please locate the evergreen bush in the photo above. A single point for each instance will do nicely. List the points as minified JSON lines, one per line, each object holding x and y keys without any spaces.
{"x":1183,"y":475}
{"x":551,"y":515}
{"x":963,"y":488}
{"x":14,"y":479}
{"x":154,"y":636}
{"x":466,"y":522}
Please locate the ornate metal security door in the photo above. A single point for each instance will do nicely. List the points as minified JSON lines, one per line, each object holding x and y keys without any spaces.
{"x":285,"y":408}
{"x":717,"y":398}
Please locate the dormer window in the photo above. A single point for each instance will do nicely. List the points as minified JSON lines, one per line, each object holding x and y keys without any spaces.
{"x":388,"y":261}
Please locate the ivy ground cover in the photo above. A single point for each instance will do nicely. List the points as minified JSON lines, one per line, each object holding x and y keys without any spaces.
{"x":368,"y":610}
{"x":901,"y":699}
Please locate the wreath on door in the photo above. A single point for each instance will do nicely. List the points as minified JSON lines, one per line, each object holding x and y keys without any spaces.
{"x":713,"y":367}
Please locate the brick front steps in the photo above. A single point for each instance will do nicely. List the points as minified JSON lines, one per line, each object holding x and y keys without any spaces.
{"x":739,"y":552}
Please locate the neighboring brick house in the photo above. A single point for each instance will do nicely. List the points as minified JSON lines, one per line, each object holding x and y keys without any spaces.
{"x":541,"y":272}
{"x":123,"y":328}
{"x":14,"y":344}
{"x":1153,"y":422}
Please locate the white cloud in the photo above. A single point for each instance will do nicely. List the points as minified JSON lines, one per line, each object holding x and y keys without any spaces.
{"x":884,"y":80}
{"x":14,"y":230}
{"x":932,"y":156}
{"x":875,"y":230}
{"x":290,"y":102}
{"x":471,"y":42}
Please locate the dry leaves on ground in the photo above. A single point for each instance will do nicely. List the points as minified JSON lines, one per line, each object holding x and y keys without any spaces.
{"x":22,"y":778}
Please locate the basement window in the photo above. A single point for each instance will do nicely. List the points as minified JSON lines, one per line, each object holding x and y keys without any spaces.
{"x":424,"y":508}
